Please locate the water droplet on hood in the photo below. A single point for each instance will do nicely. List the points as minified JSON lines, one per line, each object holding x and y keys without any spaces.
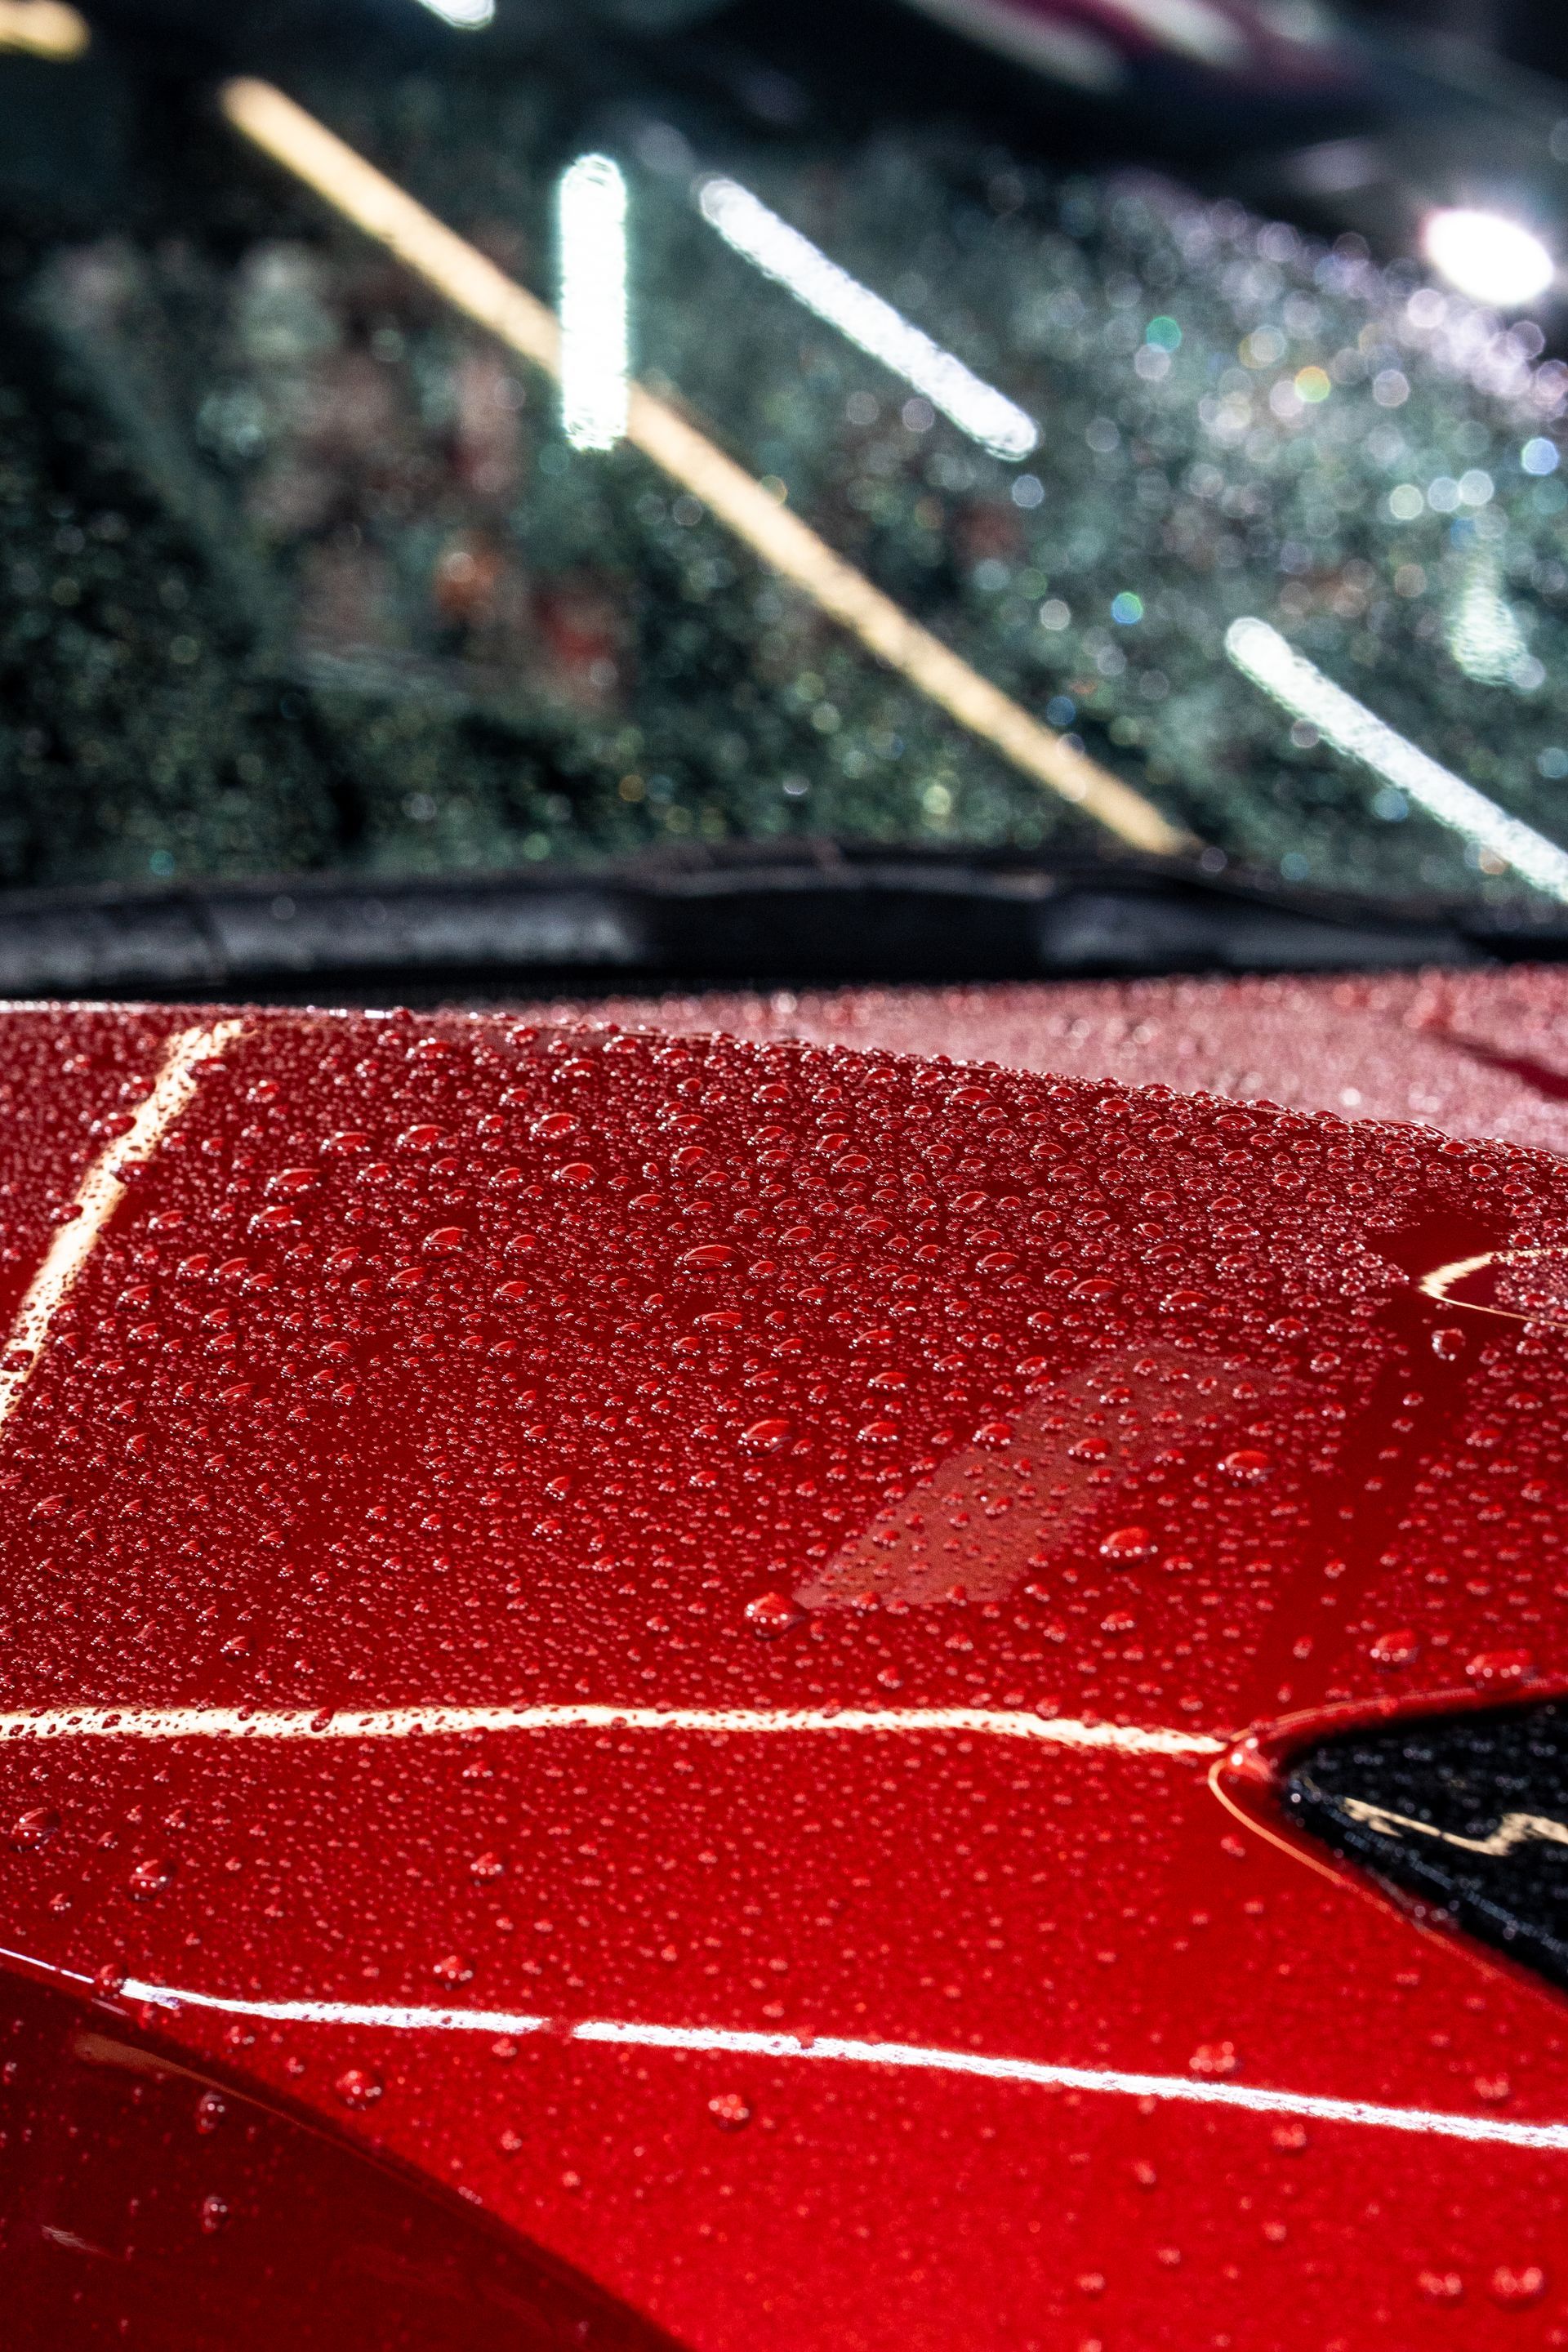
{"x":1516,"y":2288}
{"x":31,"y":1830}
{"x":1214,"y":2059}
{"x":1494,"y":1667}
{"x":358,"y":2088}
{"x":771,"y":1612}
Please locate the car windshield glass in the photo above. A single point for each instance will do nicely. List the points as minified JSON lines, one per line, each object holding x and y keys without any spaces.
{"x":971,"y":489}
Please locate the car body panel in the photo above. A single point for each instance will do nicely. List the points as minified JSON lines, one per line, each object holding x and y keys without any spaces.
{"x":1473,"y":1053}
{"x":687,"y":1638}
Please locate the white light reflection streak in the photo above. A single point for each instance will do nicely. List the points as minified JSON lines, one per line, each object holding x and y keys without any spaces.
{"x":1262,"y":654}
{"x":920,"y":2057}
{"x":99,"y":1195}
{"x":470,"y":281}
{"x":780,"y":252}
{"x":591,"y":217}
{"x":430,"y":1722}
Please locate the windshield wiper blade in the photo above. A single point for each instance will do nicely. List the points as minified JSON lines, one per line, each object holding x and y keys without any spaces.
{"x":753,"y":914}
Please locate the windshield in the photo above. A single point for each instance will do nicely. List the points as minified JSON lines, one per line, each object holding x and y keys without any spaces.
{"x":918,"y":480}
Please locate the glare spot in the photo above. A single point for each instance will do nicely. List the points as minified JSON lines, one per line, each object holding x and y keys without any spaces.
{"x":1540,"y":455}
{"x":466,"y":15}
{"x":1488,"y":256}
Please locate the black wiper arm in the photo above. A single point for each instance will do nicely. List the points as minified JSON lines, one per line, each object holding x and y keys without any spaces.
{"x":760,"y":914}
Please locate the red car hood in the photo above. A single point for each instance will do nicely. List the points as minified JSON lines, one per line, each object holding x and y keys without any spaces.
{"x":1475,"y":1053}
{"x":688,"y":1638}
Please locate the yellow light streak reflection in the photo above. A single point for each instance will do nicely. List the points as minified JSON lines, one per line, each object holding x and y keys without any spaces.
{"x":44,"y":28}
{"x":476,"y":286}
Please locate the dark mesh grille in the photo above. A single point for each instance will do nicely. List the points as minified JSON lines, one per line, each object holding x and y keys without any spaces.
{"x":1470,"y":1812}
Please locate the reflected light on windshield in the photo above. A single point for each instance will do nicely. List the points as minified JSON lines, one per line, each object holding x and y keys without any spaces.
{"x":466,"y":15}
{"x":1490,"y":258}
{"x":780,"y":252}
{"x":43,"y":28}
{"x":1262,"y":654}
{"x":591,"y":215}
{"x":471,"y":281}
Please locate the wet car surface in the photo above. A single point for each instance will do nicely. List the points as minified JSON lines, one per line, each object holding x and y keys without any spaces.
{"x":692,"y":1639}
{"x":815,"y":1668}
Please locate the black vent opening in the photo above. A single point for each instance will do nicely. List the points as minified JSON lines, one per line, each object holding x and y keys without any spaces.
{"x":1468,"y":1813}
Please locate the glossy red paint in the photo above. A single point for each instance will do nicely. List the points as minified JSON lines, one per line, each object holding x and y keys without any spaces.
{"x":1475,"y":1053}
{"x":664,"y":1635}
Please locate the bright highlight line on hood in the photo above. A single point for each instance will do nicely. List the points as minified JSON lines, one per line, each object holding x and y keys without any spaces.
{"x":1262,"y":654}
{"x":1433,"y":2123}
{"x":591,"y":221}
{"x":435,"y":1722}
{"x":98,"y":1196}
{"x":781,"y":253}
